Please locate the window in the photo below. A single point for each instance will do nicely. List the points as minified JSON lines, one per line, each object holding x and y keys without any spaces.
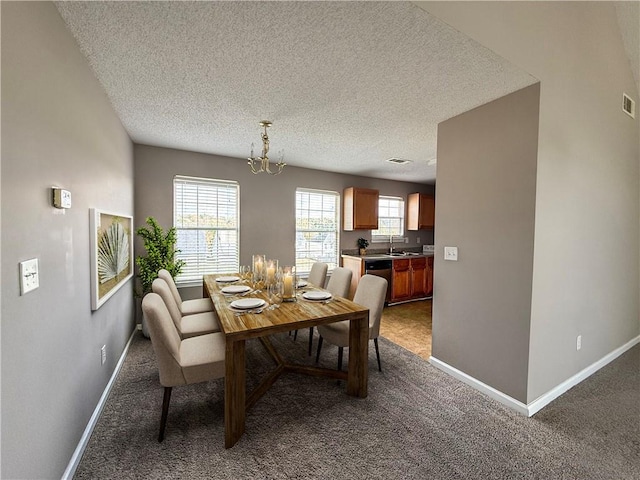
{"x":390,"y":219}
{"x":317,"y":227}
{"x":206,"y":218}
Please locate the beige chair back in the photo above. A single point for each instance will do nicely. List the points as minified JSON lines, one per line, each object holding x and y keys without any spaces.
{"x":166,"y":276}
{"x":160,"y":287}
{"x":318,"y":274}
{"x":340,"y":282}
{"x":165,"y":340}
{"x":371,"y":293}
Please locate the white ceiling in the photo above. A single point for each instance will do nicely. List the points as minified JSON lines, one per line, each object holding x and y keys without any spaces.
{"x":346,"y":84}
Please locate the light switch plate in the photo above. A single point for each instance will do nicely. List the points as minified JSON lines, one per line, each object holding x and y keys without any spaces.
{"x":29,"y":279}
{"x":451,"y":253}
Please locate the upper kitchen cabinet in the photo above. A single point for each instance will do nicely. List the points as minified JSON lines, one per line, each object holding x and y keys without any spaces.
{"x":421,"y":211}
{"x":360,"y":209}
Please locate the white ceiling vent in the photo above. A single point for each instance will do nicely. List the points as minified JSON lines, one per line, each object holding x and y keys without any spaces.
{"x":399,"y":161}
{"x":628,"y":105}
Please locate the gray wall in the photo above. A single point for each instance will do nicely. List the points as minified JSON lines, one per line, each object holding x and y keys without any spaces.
{"x":486,"y":207}
{"x":58,"y":128}
{"x":267,"y":203}
{"x":587,"y":250}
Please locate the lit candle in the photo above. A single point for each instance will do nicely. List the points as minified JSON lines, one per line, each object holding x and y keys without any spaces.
{"x":288,"y":285}
{"x":271,"y":273}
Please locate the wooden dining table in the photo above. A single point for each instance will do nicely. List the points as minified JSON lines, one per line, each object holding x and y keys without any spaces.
{"x":288,"y":316}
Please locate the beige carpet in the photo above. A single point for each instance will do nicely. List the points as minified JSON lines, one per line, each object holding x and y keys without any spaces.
{"x":416,"y":423}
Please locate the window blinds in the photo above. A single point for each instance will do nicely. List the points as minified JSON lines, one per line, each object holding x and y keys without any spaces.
{"x":206,"y":218}
{"x":317,"y":227}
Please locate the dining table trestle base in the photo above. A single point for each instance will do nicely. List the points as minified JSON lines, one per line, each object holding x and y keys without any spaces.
{"x":288,"y":316}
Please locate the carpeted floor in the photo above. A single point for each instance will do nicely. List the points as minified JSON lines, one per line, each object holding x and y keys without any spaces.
{"x":416,"y":423}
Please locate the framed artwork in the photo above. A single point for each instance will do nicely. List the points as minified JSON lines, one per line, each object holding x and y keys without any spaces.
{"x":111,"y":254}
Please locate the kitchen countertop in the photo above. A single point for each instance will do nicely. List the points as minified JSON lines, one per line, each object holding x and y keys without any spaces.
{"x":386,"y":256}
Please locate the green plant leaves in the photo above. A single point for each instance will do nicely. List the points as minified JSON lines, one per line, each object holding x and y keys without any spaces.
{"x":161,"y":251}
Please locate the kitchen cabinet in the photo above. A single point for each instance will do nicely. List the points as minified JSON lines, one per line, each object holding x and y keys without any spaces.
{"x":360,"y":209}
{"x":421,"y":211}
{"x":418,"y":277}
{"x":409,"y":279}
{"x":401,"y":280}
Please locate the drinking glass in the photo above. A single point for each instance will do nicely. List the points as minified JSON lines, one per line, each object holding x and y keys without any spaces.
{"x":274,"y":293}
{"x":256,"y":281}
{"x":244,"y":271}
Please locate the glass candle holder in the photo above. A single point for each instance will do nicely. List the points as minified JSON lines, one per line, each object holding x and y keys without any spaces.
{"x":288,"y":284}
{"x":258,"y":266}
{"x":271,"y":271}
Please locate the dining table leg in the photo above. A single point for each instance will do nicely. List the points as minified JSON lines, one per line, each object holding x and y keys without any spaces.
{"x":357,"y":379}
{"x":234,"y":392}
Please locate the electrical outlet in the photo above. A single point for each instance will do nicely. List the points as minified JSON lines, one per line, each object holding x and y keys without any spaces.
{"x":418,"y":240}
{"x":103,"y":354}
{"x":579,"y":342}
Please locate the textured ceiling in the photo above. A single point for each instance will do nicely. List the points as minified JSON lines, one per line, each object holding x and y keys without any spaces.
{"x":346,"y":84}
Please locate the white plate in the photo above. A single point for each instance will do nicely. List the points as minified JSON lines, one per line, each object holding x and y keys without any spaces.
{"x":231,"y":289}
{"x":315,"y":295}
{"x":227,"y":279}
{"x":302,"y":284}
{"x":248,"y":303}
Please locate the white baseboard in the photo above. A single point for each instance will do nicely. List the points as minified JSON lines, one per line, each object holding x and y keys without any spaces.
{"x":539,"y":403}
{"x":544,"y":400}
{"x":478,"y":385}
{"x":84,"y":440}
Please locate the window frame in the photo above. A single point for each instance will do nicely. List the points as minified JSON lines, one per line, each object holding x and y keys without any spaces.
{"x":212,"y":182}
{"x":337,"y":200}
{"x":377,"y":238}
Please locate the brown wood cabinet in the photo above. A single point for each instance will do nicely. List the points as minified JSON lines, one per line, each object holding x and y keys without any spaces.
{"x":419,"y":277}
{"x":409,"y":279}
{"x":429,"y":280}
{"x":421,"y":211}
{"x":360,"y":209}
{"x":401,"y":281}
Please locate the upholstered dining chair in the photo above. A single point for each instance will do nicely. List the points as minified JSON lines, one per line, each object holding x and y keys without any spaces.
{"x":318,"y":274}
{"x":180,"y":361}
{"x":186,"y":307}
{"x":317,"y":277}
{"x":338,"y":285}
{"x":187,"y":325}
{"x":371,"y":293}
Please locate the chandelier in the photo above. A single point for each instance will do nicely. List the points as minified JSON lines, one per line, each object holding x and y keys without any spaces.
{"x":261,"y":164}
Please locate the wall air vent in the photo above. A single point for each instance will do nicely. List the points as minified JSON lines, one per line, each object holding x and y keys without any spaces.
{"x":399,"y":161}
{"x":628,"y":105}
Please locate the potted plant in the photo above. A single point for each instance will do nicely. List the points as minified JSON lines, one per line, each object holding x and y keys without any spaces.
{"x":161,"y":252}
{"x":363,"y":243}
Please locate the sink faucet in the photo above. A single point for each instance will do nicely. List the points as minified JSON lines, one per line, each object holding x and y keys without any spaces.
{"x":390,"y":244}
